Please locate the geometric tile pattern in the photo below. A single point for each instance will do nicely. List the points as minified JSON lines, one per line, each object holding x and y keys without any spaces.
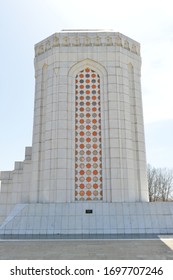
{"x":88,"y":147}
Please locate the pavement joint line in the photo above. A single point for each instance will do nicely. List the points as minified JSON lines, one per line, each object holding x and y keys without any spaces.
{"x":55,"y":240}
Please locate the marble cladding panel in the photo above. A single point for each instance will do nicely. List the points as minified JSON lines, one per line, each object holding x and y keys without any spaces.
{"x":89,"y":217}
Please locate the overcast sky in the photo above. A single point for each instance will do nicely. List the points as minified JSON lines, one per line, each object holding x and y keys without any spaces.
{"x":24,"y":23}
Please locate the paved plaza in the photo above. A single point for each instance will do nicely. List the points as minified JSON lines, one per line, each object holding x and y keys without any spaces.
{"x":129,"y":249}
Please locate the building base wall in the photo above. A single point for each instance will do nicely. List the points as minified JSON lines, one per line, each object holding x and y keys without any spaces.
{"x":89,"y":218}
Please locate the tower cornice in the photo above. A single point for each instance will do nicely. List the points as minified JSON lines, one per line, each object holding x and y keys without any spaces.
{"x":87,"y":38}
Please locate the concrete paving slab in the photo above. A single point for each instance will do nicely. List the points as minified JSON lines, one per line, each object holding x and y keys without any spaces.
{"x":155,"y":249}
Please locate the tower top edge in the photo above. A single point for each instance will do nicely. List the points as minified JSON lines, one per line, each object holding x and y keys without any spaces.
{"x":87,"y":30}
{"x":87,"y":38}
{"x":86,"y":33}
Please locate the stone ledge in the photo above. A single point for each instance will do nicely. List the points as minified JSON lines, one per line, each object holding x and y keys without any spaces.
{"x":87,"y":39}
{"x":71,"y":218}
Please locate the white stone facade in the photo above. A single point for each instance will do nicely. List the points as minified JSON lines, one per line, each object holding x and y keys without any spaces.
{"x":107,"y":218}
{"x":107,"y":112}
{"x":58,"y":60}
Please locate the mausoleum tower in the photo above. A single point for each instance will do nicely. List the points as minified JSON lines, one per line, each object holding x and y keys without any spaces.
{"x":88,"y":134}
{"x":86,"y":170}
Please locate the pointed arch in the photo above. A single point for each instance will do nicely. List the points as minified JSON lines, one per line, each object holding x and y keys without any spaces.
{"x":102,"y":73}
{"x":77,"y":67}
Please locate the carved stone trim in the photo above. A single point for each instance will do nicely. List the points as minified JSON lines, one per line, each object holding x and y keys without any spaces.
{"x":60,"y":39}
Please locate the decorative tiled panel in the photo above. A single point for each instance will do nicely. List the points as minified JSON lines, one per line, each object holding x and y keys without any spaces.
{"x":88,"y":148}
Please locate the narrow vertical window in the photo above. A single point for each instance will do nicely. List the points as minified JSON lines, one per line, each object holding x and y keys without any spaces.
{"x":88,"y":147}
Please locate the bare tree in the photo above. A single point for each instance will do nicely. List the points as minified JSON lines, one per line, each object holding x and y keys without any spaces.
{"x":160,"y":183}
